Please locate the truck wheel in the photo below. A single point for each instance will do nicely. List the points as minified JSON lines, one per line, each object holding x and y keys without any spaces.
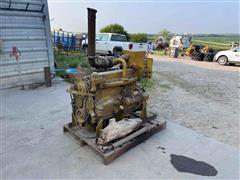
{"x":199,"y":56}
{"x":208,"y":57}
{"x":222,"y":60}
{"x":117,"y":52}
{"x":193,"y":55}
{"x":196,"y":56}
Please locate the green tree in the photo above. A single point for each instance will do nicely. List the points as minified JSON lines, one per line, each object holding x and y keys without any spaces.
{"x":139,"y":37}
{"x":114,"y":28}
{"x":165,"y":34}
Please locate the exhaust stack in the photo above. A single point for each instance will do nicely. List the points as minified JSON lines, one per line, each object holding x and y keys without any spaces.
{"x":96,"y":62}
{"x":91,"y":34}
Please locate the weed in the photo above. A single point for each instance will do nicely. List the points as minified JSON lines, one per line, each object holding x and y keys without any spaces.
{"x":148,"y":84}
{"x":71,"y":59}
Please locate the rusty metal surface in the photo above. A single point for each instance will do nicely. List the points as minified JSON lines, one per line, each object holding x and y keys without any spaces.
{"x":96,"y":62}
{"x":91,"y":32}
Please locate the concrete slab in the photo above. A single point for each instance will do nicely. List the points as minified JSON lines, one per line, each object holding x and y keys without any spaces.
{"x":33,"y":144}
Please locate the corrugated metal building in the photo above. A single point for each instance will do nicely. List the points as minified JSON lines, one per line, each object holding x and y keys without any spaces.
{"x":24,"y":24}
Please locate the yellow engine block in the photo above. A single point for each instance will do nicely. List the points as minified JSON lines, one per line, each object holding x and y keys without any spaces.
{"x":111,"y":94}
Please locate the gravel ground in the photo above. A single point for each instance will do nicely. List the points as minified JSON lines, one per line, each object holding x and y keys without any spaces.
{"x":201,"y":99}
{"x":203,"y":64}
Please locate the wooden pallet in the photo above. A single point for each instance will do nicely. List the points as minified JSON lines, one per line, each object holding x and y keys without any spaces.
{"x":147,"y":130}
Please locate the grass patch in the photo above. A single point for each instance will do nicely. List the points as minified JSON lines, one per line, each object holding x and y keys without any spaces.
{"x":219,"y":39}
{"x":173,"y":79}
{"x":212,"y":45}
{"x":217,"y":42}
{"x":69,"y":59}
{"x":149,"y":84}
{"x":72,"y":60}
{"x":165,"y":86}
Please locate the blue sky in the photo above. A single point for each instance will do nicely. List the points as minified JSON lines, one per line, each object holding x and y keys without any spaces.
{"x":141,"y":16}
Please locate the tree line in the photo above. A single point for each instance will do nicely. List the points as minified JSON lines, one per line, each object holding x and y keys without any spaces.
{"x":137,"y":37}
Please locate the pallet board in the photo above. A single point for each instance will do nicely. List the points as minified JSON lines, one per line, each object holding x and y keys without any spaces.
{"x":151,"y":127}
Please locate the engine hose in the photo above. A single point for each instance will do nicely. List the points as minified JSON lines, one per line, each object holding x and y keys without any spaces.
{"x":124,"y":64}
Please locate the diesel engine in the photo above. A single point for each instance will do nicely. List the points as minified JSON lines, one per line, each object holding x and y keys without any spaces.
{"x":109,"y":106}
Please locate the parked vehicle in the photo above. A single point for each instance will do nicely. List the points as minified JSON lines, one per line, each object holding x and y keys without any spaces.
{"x":228,"y":57}
{"x":182,"y":42}
{"x":161,"y":43}
{"x":200,"y":53}
{"x":114,"y":44}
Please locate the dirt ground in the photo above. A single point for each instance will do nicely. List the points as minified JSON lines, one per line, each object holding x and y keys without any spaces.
{"x":202,"y":96}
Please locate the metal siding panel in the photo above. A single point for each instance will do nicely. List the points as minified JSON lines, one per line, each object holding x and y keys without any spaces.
{"x":33,"y":5}
{"x":25,"y":61}
{"x":25,"y":50}
{"x":18,"y":33}
{"x":28,"y":32}
{"x":21,"y":27}
{"x":48,"y":37}
{"x":22,"y":13}
{"x":19,"y":20}
{"x":7,"y":45}
{"x":26,"y":56}
{"x":37,"y":77}
{"x":12,"y":70}
{"x":37,"y":2}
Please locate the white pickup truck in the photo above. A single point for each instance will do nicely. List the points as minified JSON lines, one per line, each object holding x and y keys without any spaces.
{"x":114,"y":44}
